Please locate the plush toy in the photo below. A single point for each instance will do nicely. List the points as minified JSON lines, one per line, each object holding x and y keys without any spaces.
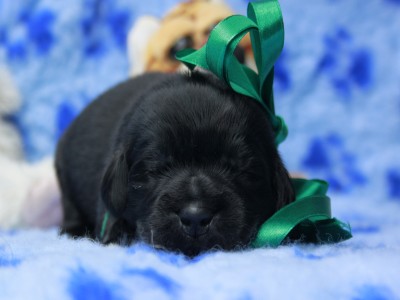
{"x":29,"y":193}
{"x":153,"y":43}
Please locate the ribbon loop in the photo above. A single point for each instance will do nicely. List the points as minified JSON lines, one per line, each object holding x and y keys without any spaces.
{"x":223,"y":40}
{"x":268,"y":43}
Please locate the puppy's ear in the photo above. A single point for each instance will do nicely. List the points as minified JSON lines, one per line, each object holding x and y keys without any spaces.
{"x":114,"y":186}
{"x":282,"y":185}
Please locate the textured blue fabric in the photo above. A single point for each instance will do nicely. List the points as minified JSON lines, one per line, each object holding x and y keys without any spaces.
{"x":337,"y":86}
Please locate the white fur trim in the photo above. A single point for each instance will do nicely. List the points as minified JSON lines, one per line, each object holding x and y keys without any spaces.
{"x":138,"y":40}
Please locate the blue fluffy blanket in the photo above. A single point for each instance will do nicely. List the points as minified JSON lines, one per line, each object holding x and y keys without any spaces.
{"x":338,"y":88}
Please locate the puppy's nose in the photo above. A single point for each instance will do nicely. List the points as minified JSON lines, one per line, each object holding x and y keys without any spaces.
{"x":195,"y":220}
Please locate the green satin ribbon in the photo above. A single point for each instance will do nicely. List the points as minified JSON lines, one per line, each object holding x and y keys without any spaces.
{"x":104,"y":224}
{"x":264,"y":22}
{"x":308,"y":218}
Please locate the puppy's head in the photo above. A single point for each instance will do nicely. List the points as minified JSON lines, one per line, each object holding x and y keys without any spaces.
{"x":197,"y":170}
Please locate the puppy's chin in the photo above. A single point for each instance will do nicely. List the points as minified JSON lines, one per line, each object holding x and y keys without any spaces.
{"x":166,"y":233}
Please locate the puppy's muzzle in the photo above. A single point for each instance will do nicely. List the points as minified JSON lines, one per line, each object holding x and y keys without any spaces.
{"x":195,"y":220}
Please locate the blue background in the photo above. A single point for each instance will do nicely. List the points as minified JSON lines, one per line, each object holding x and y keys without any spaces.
{"x":337,"y":86}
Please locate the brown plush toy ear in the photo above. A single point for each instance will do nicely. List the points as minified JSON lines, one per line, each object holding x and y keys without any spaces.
{"x":114,"y":186}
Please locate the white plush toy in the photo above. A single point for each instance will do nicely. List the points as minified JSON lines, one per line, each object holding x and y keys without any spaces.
{"x":29,"y":195}
{"x":10,"y":102}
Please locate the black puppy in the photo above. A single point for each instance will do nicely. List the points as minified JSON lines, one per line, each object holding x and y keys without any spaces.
{"x":179,"y":161}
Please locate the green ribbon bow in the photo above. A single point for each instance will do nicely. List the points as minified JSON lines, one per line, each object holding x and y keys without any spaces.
{"x":265,"y":25}
{"x":308,"y":218}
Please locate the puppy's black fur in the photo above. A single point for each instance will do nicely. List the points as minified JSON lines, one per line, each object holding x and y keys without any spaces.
{"x":180,"y":161}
